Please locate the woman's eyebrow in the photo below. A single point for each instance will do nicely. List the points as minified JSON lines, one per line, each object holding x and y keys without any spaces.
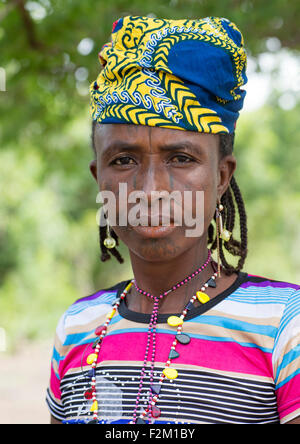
{"x":118,"y":145}
{"x":184,"y":145}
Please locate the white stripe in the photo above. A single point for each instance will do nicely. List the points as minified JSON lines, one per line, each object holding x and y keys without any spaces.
{"x":77,"y":307}
{"x":255,"y":311}
{"x":256,"y":294}
{"x":88,"y":315}
{"x":291,"y":331}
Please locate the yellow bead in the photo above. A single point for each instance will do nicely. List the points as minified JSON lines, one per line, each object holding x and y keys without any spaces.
{"x":225,"y":235}
{"x":170,"y":373}
{"x":94,"y":407}
{"x":91,"y":358}
{"x":174,"y":321}
{"x":202,"y":297}
{"x":128,"y":286}
{"x":110,"y":315}
{"x":109,"y":242}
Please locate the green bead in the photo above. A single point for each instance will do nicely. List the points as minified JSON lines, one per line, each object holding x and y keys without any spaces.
{"x":183,"y":338}
{"x":173,"y":354}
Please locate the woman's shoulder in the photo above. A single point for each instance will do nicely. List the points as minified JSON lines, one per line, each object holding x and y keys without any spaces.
{"x":101,"y":300}
{"x":83,"y":312}
{"x":264,"y":281}
{"x":267,"y":288}
{"x":104,"y":295}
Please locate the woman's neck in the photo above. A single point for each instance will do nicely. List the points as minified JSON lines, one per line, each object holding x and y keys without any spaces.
{"x":158,"y":277}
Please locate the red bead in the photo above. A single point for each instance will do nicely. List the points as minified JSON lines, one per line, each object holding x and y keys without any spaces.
{"x":88,"y":394}
{"x":100,"y":330}
{"x":155,"y":412}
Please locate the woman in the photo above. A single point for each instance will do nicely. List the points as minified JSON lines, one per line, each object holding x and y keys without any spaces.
{"x":188,"y":339}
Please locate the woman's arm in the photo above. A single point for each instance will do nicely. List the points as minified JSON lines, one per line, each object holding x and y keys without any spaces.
{"x":54,"y":420}
{"x":294,"y":421}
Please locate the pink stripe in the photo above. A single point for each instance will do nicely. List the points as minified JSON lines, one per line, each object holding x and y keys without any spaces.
{"x":54,"y":385}
{"x":226,"y":356}
{"x":288,"y":397}
{"x":211,"y":354}
{"x":291,"y":409}
{"x":75,"y":358}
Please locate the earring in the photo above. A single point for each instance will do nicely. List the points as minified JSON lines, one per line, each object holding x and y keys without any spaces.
{"x":218,"y":223}
{"x":109,"y":241}
{"x":223,"y":233}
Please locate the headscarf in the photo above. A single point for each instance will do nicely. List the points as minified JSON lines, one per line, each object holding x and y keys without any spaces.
{"x":180,"y":74}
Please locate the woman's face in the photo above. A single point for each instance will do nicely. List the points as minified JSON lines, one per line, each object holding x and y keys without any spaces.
{"x":150,"y":160}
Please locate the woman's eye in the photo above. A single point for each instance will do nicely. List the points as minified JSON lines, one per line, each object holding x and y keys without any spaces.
{"x":125,"y":160}
{"x":180,"y":158}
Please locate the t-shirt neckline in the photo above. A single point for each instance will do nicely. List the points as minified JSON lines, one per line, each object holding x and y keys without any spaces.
{"x":131,"y":315}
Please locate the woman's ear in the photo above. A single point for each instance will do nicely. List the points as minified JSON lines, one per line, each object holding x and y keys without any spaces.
{"x":93,"y":169}
{"x":227,"y":167}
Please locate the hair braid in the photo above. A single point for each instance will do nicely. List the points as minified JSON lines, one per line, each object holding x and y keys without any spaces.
{"x":233,"y":193}
{"x":104,"y":250}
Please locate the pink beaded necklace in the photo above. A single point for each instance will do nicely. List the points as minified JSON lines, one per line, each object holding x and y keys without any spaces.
{"x":174,"y":321}
{"x":151,"y":334}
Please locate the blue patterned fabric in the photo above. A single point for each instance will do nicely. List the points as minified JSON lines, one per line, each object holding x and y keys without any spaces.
{"x":181,"y":74}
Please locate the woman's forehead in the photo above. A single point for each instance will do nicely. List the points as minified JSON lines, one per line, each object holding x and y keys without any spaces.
{"x":107,"y":135}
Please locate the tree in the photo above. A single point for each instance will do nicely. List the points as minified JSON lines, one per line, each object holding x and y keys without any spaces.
{"x":48,"y":235}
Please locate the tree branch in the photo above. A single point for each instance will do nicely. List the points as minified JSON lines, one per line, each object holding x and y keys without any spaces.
{"x":28,"y":25}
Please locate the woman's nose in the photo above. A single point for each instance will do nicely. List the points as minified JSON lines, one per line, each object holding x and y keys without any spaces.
{"x":154,"y":178}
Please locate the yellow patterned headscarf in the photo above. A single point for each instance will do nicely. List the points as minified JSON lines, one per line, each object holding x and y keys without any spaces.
{"x":180,"y":74}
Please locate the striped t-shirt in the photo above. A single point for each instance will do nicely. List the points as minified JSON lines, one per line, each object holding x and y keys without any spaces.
{"x":242,"y":365}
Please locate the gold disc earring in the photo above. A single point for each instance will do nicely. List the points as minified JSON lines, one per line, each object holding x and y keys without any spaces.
{"x":223,"y":233}
{"x":109,"y":241}
{"x":218,"y":222}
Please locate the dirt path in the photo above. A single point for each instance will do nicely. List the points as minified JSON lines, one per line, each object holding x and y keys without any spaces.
{"x":23,"y":381}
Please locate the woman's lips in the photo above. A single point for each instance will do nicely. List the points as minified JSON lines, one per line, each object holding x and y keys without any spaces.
{"x":161,"y":226}
{"x":154,"y":232}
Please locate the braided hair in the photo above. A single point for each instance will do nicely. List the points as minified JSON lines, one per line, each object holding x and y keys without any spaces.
{"x":231,"y":200}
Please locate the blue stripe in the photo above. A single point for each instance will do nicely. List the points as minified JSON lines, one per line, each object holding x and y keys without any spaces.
{"x":56,"y":356}
{"x":106,"y":298}
{"x":287,"y":359}
{"x":292,"y":310}
{"x":78,"y":338}
{"x":261,"y":295}
{"x":234,"y":324}
{"x":297,"y":372}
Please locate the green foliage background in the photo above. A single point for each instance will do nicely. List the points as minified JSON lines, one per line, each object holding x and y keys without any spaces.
{"x":49,"y":254}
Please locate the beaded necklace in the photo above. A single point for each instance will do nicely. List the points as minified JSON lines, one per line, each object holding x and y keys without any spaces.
{"x":174,"y":321}
{"x":151,"y":334}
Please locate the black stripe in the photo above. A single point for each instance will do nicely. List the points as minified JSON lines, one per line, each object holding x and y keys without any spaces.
{"x":212,"y":398}
{"x":134,"y":371}
{"x":55,"y":409}
{"x":162,"y":318}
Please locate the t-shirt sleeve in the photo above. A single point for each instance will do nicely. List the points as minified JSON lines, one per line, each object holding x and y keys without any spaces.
{"x":286,"y":360}
{"x":53,"y":396}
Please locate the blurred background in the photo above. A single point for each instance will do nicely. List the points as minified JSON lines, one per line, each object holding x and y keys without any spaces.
{"x":49,"y":249}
